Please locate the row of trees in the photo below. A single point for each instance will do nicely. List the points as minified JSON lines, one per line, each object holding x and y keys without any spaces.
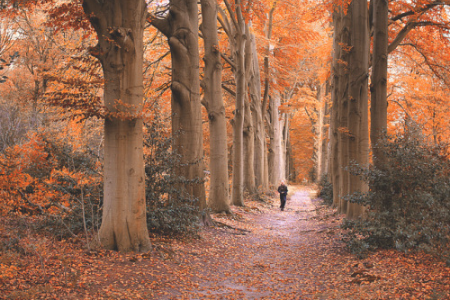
{"x":264,"y":79}
{"x":365,"y":35}
{"x":68,"y":83}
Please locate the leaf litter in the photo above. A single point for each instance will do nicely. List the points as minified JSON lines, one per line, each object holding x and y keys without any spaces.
{"x":258,"y":253}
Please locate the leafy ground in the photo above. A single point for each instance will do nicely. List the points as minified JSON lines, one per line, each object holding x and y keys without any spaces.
{"x":259,"y":253}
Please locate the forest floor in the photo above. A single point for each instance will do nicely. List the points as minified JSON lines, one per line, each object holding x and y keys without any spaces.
{"x":258,"y":253}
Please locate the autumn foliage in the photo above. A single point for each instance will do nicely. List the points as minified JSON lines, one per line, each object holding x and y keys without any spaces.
{"x":51,"y":165}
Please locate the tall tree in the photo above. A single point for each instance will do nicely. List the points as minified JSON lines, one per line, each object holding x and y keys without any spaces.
{"x":120,"y":27}
{"x":234,"y":27}
{"x":181,"y":28}
{"x":339,"y":96}
{"x":358,"y":122}
{"x":258,"y":119}
{"x":275,"y":135}
{"x":265,"y":101}
{"x":248,"y":133}
{"x":212,"y":85}
{"x":378,"y":86}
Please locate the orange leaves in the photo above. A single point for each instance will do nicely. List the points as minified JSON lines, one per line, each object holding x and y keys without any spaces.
{"x":258,"y":253}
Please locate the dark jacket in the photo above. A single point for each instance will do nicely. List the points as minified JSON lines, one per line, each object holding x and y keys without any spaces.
{"x":282,"y":189}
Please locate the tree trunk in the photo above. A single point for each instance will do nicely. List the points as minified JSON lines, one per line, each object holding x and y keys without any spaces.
{"x":249,"y":150}
{"x":284,"y":150}
{"x":266,"y":114}
{"x":248,"y":133}
{"x":378,"y":87}
{"x":340,"y":135}
{"x":181,"y":28}
{"x":238,"y":140}
{"x":120,"y":27}
{"x":326,"y":144}
{"x":320,"y":132}
{"x":258,"y":121}
{"x":358,"y":89}
{"x":219,"y":191}
{"x":275,"y":141}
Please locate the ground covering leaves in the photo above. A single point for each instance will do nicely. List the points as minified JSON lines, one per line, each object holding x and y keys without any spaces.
{"x":258,"y":253}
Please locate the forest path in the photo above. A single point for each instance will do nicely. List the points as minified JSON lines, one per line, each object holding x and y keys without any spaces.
{"x":271,"y":254}
{"x":259,"y":253}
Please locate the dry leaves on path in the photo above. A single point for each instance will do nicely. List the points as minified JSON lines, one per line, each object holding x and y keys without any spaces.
{"x":258,"y":253}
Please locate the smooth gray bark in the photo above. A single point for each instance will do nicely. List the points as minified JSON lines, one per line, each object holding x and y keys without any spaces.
{"x":212,"y":85}
{"x":120,"y":28}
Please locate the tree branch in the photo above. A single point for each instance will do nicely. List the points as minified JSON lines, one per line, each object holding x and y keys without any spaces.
{"x":405,"y":30}
{"x":228,"y":90}
{"x":229,"y":61}
{"x":232,"y":16}
{"x":417,"y":11}
{"x":162,"y":25}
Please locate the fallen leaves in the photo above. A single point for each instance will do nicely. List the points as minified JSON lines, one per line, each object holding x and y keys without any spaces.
{"x":275,"y":259}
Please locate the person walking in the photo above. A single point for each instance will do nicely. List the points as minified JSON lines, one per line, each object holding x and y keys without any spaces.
{"x":283,"y":190}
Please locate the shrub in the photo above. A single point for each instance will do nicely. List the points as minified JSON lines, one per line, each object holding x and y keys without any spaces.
{"x":47,"y":179}
{"x":408,"y":202}
{"x":169,"y":210}
{"x":325,"y":190}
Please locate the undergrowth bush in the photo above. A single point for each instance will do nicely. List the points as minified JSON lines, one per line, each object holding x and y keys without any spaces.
{"x":325,"y":190}
{"x":59,"y":186}
{"x":52,"y":183}
{"x":169,"y":210}
{"x":408,"y":202}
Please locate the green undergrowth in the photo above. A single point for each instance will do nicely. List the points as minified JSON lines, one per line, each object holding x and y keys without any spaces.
{"x":408,"y":202}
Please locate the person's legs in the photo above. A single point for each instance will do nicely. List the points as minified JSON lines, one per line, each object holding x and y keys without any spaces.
{"x":283,"y":201}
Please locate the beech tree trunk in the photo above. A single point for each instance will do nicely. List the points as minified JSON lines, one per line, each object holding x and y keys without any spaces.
{"x":235,"y":29}
{"x":249,"y":150}
{"x":340,"y":176}
{"x":120,"y":26}
{"x":326,"y":141}
{"x":285,"y":150}
{"x":358,"y":141}
{"x":275,"y":132}
{"x":378,"y":87}
{"x":238,"y":139}
{"x":248,"y":133}
{"x":318,"y":142}
{"x":257,"y":115}
{"x":181,"y":28}
{"x":266,"y":113}
{"x":219,"y":191}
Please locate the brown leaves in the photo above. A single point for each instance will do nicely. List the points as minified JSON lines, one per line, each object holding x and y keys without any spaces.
{"x":362,"y":275}
{"x":274,"y":260}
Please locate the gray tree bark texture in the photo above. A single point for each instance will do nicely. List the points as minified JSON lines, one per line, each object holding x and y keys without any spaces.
{"x":181,"y":29}
{"x":319,"y":130}
{"x":257,"y":115}
{"x":378,"y":87}
{"x":238,"y":139}
{"x":249,"y":132}
{"x":234,"y":27}
{"x":120,"y":27}
{"x":358,"y":140}
{"x":340,"y":177}
{"x":218,"y":200}
{"x":275,"y":149}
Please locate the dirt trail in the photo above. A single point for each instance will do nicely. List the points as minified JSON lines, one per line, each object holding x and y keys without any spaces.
{"x":265,"y":253}
{"x":259,"y":253}
{"x":267,"y":258}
